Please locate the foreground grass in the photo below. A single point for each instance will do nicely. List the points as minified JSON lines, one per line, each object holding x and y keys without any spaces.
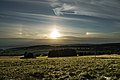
{"x":73,"y":68}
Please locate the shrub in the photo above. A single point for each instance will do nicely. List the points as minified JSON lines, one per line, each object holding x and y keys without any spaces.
{"x":28,"y":55}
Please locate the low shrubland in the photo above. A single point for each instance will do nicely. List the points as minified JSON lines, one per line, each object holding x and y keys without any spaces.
{"x":63,"y":68}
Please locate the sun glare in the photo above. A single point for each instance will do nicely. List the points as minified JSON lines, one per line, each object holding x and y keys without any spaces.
{"x":55,"y":34}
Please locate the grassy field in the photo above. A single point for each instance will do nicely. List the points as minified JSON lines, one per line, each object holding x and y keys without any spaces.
{"x":105,"y":67}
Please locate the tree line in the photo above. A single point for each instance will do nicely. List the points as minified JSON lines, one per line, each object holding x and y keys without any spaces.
{"x":62,"y":53}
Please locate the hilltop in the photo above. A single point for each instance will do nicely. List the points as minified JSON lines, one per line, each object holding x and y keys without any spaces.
{"x":44,"y":49}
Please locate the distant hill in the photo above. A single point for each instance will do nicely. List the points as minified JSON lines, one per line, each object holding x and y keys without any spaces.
{"x":44,"y":49}
{"x":6,"y":43}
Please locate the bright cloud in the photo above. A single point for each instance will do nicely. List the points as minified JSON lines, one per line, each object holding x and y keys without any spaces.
{"x":96,"y":8}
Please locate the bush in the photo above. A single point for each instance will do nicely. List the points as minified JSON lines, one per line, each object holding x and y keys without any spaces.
{"x":28,"y":55}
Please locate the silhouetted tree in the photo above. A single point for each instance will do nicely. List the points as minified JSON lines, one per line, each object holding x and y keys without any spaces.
{"x":28,"y":55}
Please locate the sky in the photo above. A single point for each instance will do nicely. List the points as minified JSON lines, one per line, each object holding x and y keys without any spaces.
{"x":75,"y":20}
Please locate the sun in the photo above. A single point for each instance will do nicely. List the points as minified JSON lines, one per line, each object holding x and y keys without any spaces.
{"x":55,"y":34}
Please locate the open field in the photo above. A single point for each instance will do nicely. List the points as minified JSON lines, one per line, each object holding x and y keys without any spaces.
{"x":104,"y":67}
